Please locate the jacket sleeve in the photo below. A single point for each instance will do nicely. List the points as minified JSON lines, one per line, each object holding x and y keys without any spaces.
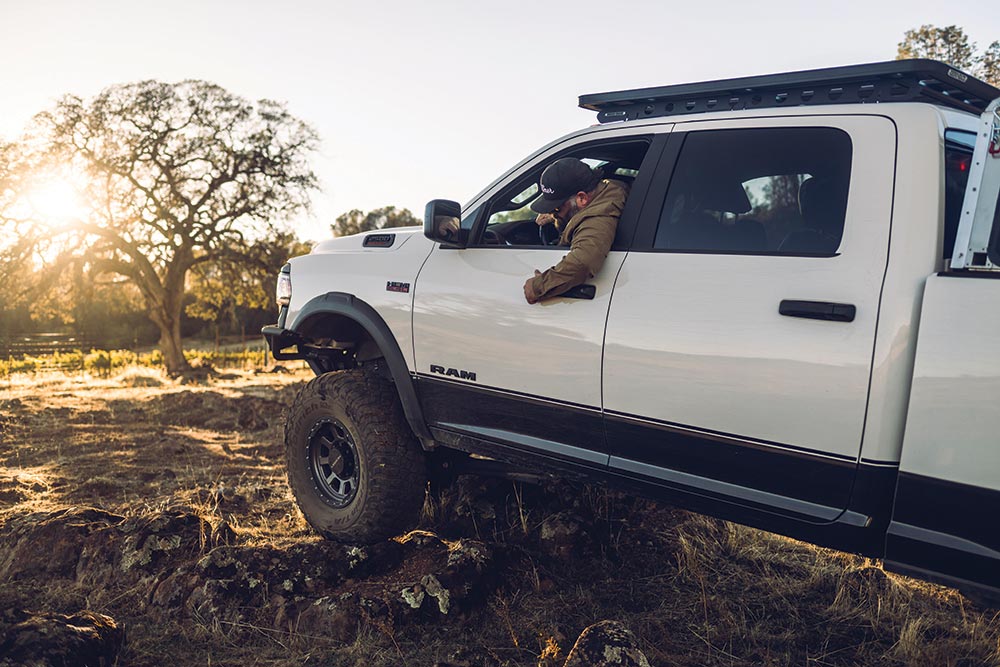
{"x":588,"y":249}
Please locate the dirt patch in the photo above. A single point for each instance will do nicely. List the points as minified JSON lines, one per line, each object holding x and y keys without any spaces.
{"x":219,"y":411}
{"x":162,"y":509}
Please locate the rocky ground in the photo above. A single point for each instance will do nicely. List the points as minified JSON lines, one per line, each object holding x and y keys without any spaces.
{"x":144,"y":522}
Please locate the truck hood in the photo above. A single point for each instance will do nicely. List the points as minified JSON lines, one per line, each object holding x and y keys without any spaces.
{"x":355,"y":243}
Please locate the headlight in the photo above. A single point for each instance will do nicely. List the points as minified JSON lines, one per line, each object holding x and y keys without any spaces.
{"x":283,"y":291}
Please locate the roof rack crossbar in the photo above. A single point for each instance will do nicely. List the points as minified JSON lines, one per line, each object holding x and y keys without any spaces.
{"x":926,"y":81}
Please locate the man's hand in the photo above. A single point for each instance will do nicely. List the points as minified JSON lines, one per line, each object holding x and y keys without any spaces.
{"x":545,"y":219}
{"x":529,"y":291}
{"x":447,"y":225}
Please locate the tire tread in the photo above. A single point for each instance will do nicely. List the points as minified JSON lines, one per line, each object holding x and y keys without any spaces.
{"x":396,"y":466}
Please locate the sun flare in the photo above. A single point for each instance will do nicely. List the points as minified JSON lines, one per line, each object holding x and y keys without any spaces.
{"x":56,"y":202}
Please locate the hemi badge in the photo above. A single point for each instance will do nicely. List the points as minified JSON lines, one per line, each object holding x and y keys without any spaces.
{"x":397,"y":287}
{"x":379,"y":240}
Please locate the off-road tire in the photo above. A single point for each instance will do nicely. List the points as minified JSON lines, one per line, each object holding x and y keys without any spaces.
{"x":391,"y":467}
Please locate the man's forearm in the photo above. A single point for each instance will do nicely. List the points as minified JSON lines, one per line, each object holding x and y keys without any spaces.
{"x":562,"y":277}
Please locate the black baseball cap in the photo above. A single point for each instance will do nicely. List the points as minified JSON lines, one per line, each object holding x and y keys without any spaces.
{"x":561,"y":180}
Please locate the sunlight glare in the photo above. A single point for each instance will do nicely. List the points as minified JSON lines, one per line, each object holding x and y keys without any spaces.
{"x":56,"y":202}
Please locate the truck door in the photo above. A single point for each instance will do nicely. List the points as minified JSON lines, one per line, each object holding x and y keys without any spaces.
{"x":492,"y":368}
{"x":740,"y":335}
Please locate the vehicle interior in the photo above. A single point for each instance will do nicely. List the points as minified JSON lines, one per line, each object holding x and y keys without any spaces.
{"x":758,"y":191}
{"x":509,"y":220}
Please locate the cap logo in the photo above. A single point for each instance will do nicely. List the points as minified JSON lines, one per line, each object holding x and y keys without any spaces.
{"x":548,"y":191}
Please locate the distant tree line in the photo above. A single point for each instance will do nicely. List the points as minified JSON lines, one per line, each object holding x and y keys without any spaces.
{"x":356,"y":221}
{"x":951,"y":45}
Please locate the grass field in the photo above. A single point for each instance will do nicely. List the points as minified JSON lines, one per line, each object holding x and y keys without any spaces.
{"x":164,"y":506}
{"x":102,"y":363}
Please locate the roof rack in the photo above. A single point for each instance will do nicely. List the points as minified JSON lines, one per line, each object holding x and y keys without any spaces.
{"x":916,"y":80}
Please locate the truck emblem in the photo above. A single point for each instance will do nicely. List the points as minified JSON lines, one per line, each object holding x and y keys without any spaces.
{"x":453,"y":372}
{"x":379,"y":241}
{"x":392,"y":286}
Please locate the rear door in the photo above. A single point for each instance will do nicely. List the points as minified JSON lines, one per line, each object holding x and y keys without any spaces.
{"x":740,"y":336}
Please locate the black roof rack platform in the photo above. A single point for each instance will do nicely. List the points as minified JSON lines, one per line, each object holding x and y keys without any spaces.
{"x":893,"y":81}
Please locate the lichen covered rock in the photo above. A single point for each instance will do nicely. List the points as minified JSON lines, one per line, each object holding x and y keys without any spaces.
{"x":84,"y":639}
{"x":606,"y":644}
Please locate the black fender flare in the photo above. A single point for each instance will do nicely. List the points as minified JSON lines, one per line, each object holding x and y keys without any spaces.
{"x":350,"y":306}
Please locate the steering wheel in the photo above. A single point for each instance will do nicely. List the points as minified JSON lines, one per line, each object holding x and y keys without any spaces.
{"x":548,"y":234}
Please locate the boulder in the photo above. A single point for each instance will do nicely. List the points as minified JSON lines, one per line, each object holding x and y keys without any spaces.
{"x":606,"y":644}
{"x":84,"y":639}
{"x":49,"y":544}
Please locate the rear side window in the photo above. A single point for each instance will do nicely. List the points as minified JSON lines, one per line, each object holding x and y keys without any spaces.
{"x":958,"y":147}
{"x":758,"y":191}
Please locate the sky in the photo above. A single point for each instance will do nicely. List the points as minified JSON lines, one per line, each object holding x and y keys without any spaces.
{"x":422,"y":100}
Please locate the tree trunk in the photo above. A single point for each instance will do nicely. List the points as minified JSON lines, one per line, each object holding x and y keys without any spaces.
{"x":167,"y":317}
{"x":173,"y":350}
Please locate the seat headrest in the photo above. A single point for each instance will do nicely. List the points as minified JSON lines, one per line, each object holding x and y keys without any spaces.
{"x":823,"y":203}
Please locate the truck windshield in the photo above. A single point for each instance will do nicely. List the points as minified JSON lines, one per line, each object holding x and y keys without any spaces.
{"x":958,"y":147}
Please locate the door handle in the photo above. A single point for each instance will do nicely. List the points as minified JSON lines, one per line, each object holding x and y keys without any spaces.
{"x":818,"y":310}
{"x":580,"y":292}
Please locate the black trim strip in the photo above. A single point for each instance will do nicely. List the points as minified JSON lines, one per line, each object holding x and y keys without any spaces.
{"x":723,"y":437}
{"x":528,"y":442}
{"x":947,"y":528}
{"x":506,"y":392}
{"x":743,"y":494}
{"x":876,"y":462}
{"x":802,"y":476}
{"x":556,"y":428}
{"x":989,"y":274}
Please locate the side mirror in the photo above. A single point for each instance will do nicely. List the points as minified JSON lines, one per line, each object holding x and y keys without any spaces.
{"x":442,"y":223}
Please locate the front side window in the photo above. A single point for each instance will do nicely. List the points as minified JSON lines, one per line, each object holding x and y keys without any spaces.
{"x":767,"y":191}
{"x":509,"y":220}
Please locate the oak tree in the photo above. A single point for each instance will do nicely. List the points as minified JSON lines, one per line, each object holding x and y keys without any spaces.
{"x":174,"y":177}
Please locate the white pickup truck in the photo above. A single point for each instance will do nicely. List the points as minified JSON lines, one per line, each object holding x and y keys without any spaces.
{"x":797,"y":327}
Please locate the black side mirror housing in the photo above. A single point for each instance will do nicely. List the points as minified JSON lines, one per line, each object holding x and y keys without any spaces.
{"x":442,"y":223}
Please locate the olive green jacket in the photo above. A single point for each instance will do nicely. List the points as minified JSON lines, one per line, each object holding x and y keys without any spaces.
{"x":589,"y":235}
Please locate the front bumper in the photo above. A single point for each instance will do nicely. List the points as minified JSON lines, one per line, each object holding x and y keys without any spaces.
{"x":279,"y":339}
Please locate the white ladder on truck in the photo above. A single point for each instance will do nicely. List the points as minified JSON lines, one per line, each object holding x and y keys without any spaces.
{"x":977,"y":245}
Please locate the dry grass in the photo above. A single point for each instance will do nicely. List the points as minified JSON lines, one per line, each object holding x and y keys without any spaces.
{"x":696,"y":591}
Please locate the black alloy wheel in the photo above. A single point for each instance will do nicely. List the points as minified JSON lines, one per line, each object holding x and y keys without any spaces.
{"x":334,"y":462}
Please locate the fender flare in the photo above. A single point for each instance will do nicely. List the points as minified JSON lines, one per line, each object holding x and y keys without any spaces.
{"x":350,"y":306}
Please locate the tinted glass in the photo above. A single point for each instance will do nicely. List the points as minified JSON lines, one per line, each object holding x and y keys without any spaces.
{"x":780,"y":191}
{"x":958,"y":147}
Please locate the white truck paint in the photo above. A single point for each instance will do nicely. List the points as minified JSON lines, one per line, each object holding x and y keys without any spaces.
{"x":679,"y":377}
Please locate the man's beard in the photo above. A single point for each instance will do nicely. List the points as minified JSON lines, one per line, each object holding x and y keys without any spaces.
{"x":574,"y":208}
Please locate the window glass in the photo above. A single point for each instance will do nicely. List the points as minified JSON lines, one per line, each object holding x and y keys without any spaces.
{"x":768,"y":191}
{"x":510,"y":220}
{"x":958,"y":147}
{"x":469,"y":219}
